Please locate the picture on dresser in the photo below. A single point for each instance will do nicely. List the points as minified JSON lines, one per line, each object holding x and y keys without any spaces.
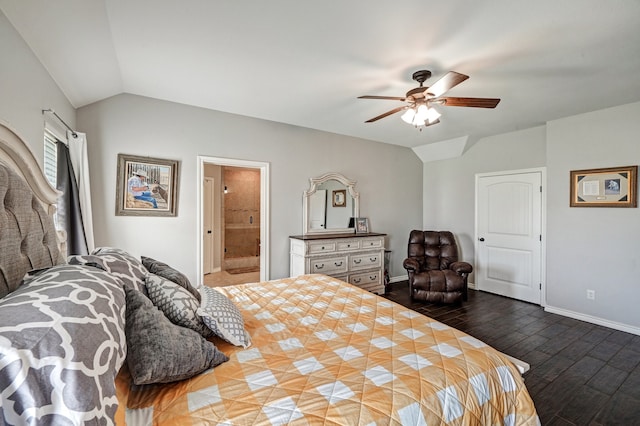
{"x":362,"y":225}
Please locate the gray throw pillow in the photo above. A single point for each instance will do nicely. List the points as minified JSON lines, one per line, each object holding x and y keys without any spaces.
{"x":223,"y":317}
{"x":166,"y":271}
{"x":160,"y":351}
{"x":176,"y":303}
{"x":62,"y":334}
{"x":88,"y":260}
{"x":123,"y":266}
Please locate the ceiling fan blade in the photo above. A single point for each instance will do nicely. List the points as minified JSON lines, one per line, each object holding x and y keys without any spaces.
{"x":445,"y":83}
{"x":389,"y":98}
{"x":386,"y":114}
{"x":470,"y":102}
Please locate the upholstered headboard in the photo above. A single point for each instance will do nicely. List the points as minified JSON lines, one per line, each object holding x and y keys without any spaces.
{"x":28,"y":238}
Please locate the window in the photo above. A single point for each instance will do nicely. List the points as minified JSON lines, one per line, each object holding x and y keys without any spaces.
{"x":50,"y":158}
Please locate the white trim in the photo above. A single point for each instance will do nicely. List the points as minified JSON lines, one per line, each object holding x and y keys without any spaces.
{"x":543,"y":219}
{"x":593,"y":320}
{"x":264,"y":208}
{"x":53,"y":127}
{"x":398,"y":278}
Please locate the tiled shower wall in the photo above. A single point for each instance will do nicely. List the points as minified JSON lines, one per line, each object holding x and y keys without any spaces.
{"x":241,"y":212}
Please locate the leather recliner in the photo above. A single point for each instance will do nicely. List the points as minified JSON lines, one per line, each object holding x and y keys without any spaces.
{"x":435,"y":274}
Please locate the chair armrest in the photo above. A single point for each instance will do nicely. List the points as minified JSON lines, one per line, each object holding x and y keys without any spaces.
{"x":461,"y":268}
{"x":411,"y":264}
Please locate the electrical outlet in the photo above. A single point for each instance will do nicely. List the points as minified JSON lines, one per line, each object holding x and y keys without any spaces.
{"x":591,"y":294}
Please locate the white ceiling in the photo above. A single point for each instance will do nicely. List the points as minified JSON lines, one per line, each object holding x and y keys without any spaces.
{"x":304,"y":63}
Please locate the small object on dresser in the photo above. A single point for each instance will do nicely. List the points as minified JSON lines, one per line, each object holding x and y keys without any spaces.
{"x":362,"y":225}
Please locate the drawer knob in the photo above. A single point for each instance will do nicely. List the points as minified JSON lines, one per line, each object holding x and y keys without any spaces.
{"x":373,"y":259}
{"x":357,"y":261}
{"x":338,"y":263}
{"x":320,"y":266}
{"x":372,"y":278}
{"x":357,"y":280}
{"x":322,"y":248}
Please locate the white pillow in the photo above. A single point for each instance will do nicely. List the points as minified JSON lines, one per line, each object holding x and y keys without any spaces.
{"x":223,"y":317}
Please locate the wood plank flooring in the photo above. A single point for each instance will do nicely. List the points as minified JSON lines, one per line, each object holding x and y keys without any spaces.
{"x":581,"y":373}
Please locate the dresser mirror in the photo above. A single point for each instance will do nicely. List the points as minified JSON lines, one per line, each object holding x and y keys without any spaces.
{"x":329,"y":204}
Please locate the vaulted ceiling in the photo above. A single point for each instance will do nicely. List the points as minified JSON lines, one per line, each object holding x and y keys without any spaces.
{"x":305,"y":63}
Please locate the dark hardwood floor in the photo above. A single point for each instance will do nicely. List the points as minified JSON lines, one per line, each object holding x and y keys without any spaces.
{"x":581,"y":373}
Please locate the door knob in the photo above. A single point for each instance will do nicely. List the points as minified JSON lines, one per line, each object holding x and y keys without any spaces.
{"x":480,"y":239}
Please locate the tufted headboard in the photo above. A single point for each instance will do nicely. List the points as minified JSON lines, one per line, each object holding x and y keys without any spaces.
{"x":28,"y":238}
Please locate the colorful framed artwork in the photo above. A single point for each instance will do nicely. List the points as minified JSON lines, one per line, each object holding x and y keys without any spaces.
{"x":146,"y":186}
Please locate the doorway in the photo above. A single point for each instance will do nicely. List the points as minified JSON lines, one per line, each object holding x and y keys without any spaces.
{"x":509,"y":234}
{"x":234,"y":242}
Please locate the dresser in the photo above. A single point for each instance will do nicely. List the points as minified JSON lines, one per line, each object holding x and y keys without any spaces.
{"x":355,"y":258}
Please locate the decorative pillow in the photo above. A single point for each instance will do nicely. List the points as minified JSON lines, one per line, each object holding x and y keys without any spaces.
{"x":166,"y":271}
{"x":124,"y":266}
{"x":89,"y":260}
{"x":223,"y":317}
{"x":176,"y":303}
{"x":62,"y":333}
{"x":160,"y":351}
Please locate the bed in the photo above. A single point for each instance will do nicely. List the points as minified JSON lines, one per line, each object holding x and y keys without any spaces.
{"x":110,"y":338}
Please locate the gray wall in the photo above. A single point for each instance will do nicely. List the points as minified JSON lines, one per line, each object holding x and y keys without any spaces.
{"x":593,"y":248}
{"x":26,"y":88}
{"x":586,"y":248}
{"x":389,"y":178}
{"x":449,"y":185}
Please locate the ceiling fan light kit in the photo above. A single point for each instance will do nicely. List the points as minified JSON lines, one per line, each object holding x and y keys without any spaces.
{"x":419,"y":111}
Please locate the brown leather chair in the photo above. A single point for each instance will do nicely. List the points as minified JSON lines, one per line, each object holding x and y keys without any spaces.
{"x":435,"y":275}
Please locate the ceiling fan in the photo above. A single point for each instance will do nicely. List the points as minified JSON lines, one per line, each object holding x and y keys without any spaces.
{"x":419,"y":109}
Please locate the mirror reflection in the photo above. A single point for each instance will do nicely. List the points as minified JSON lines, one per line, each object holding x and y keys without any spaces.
{"x":329,"y":204}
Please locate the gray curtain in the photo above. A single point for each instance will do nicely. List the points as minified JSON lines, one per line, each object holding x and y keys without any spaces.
{"x":69,"y":213}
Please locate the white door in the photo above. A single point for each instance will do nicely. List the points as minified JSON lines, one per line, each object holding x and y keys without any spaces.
{"x":207,"y":236}
{"x":509,"y":232}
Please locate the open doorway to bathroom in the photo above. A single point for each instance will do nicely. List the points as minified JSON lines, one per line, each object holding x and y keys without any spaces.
{"x":233,"y":221}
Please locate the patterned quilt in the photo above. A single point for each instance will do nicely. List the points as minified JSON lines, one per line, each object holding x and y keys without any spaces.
{"x":327,"y":352}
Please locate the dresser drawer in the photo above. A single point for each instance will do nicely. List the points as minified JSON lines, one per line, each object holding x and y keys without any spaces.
{"x":365,"y":278}
{"x":366,"y":243}
{"x":348,"y":245}
{"x":365,"y":261}
{"x":329,"y":265}
{"x":322,"y":247}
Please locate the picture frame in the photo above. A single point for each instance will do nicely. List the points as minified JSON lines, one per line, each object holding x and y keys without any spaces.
{"x":157,"y":193}
{"x":339,"y":198}
{"x":604,"y":187}
{"x":362,"y":225}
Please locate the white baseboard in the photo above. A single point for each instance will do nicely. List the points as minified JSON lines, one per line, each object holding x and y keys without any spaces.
{"x":593,"y":320}
{"x":398,"y":278}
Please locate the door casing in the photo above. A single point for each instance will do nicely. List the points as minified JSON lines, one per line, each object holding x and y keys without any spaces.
{"x":264,"y":208}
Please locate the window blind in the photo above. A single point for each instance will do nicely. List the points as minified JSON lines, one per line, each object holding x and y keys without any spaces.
{"x":50,"y":158}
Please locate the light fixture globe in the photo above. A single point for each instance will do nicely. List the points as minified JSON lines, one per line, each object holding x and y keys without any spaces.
{"x":407,"y":117}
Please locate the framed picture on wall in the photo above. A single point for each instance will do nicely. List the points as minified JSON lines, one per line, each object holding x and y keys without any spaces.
{"x":146,"y":186}
{"x":607,"y":187}
{"x":339,"y":198}
{"x":362,"y":225}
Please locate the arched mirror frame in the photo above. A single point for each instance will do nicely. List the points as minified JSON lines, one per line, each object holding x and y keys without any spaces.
{"x":314,"y":184}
